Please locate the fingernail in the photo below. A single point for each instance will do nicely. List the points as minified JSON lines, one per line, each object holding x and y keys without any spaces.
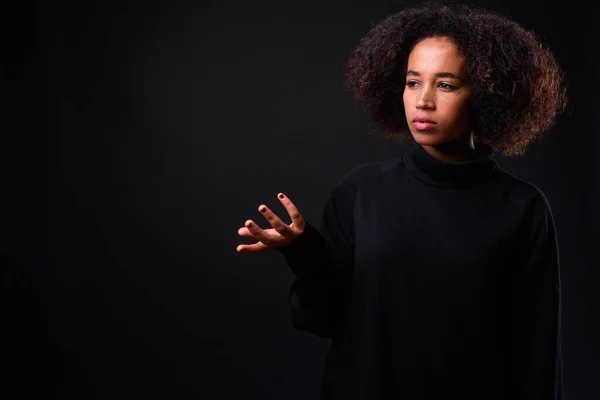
{"x":262,"y":209}
{"x":249,"y":225}
{"x":281,"y":196}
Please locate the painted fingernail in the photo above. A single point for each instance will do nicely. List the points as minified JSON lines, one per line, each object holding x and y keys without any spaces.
{"x":281,"y":196}
{"x":249,"y":225}
{"x":262,"y":209}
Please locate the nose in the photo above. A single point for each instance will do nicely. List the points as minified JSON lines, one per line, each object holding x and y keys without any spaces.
{"x":425,"y":100}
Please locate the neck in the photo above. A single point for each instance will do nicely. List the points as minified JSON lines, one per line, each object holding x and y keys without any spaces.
{"x":446,"y":174}
{"x":461,"y":149}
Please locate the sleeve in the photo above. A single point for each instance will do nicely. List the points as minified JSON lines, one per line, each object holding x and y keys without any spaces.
{"x":322,"y":259}
{"x":537,"y":325}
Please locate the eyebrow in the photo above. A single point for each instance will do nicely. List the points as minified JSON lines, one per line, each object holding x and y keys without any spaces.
{"x":439,"y":74}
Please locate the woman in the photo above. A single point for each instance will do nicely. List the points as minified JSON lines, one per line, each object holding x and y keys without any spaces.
{"x":436,"y":273}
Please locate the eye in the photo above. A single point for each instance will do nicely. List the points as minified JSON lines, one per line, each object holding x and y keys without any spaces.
{"x":411,"y":84}
{"x":444,"y":85}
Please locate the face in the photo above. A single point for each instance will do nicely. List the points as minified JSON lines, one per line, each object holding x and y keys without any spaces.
{"x":436,"y":93}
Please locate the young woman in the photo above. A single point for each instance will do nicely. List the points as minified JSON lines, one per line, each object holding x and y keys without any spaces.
{"x":436,"y":273}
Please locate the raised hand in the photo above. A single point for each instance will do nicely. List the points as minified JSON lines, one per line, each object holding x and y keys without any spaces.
{"x":280,"y":235}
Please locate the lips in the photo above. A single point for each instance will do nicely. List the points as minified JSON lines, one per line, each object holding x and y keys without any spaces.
{"x":424,"y":120}
{"x":423,"y":124}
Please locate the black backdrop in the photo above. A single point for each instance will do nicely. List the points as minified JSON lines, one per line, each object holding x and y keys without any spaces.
{"x":139,"y":136}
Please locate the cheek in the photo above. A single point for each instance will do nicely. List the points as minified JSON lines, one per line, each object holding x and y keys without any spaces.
{"x":456,"y":112}
{"x":463,"y":112}
{"x":406,"y":100}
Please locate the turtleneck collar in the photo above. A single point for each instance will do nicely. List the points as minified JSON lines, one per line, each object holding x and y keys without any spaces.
{"x":444,"y":174}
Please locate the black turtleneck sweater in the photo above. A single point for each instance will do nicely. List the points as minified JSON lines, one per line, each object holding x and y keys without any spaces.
{"x":434,"y":280}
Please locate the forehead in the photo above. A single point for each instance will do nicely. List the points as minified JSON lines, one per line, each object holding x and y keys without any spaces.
{"x":436,"y":54}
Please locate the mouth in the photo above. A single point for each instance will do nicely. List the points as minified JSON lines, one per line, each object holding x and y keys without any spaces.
{"x":423,"y":124}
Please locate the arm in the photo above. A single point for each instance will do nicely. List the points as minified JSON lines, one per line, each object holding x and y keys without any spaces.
{"x":321,"y":259}
{"x":537,"y":327}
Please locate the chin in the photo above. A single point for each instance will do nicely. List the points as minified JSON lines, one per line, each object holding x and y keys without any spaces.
{"x":433,"y":138}
{"x":429,"y":139}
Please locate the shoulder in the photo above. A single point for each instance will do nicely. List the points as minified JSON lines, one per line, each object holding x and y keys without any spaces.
{"x":520,"y":192}
{"x":367,"y":173}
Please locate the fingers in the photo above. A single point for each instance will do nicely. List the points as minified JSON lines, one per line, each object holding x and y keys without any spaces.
{"x":259,"y":234}
{"x":295,"y":215}
{"x":251,"y":248}
{"x":254,"y":231}
{"x":244,"y":232}
{"x":282,"y":228}
{"x":281,"y":233}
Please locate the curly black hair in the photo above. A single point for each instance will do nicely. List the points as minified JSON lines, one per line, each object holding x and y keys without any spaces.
{"x":517,"y":87}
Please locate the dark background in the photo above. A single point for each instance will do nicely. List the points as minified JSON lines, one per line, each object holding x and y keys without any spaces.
{"x":139,"y":136}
